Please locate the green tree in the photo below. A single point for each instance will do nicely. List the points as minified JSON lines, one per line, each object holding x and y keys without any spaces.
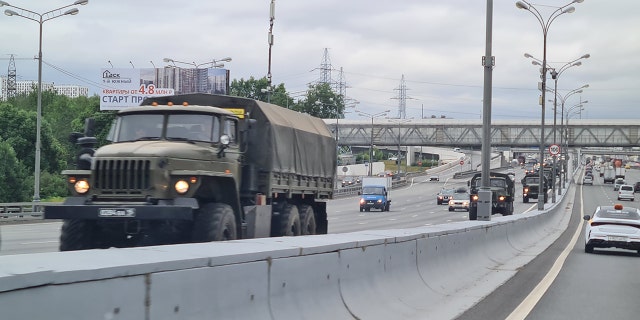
{"x":18,"y":127}
{"x":258,"y":89}
{"x":322,"y":102}
{"x":13,"y":175}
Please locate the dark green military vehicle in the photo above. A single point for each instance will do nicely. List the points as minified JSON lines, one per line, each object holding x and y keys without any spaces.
{"x":199,"y":168}
{"x":531,"y":187}
{"x":502,"y":194}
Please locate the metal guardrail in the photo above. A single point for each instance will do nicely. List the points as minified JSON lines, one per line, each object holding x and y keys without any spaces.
{"x":13,"y":211}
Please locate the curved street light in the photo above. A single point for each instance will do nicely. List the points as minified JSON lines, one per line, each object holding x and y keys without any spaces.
{"x":555,"y":75}
{"x":372,"y":116}
{"x":545,"y":24}
{"x":214,"y":62}
{"x":40,"y":18}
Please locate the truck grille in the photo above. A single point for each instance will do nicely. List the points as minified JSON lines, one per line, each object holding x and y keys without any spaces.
{"x":122,"y":176}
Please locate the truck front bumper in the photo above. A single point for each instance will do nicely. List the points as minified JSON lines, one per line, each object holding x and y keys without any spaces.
{"x":80,"y":208}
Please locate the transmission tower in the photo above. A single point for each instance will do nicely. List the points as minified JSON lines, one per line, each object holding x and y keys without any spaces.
{"x":402,"y":99}
{"x":11,"y":79}
{"x":325,"y":68}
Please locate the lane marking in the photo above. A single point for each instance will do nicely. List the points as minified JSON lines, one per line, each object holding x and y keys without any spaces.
{"x":524,"y":309}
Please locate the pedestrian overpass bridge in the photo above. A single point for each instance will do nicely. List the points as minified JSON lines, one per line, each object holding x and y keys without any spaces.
{"x":467,"y":133}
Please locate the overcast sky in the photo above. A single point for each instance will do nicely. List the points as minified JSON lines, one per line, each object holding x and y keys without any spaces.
{"x":436,"y":45}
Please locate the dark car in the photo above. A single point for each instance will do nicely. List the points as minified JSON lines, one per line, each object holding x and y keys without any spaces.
{"x":445,"y":195}
{"x":636,"y":187}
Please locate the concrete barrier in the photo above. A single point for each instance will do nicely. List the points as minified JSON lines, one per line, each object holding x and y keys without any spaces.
{"x":434,"y":272}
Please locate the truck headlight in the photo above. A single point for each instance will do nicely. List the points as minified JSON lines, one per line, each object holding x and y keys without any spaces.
{"x":181,"y":186}
{"x":362,"y":201}
{"x":81,"y":186}
{"x":501,"y":198}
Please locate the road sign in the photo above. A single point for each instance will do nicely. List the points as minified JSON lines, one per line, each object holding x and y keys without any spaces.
{"x":554,"y":149}
{"x":461,"y":162}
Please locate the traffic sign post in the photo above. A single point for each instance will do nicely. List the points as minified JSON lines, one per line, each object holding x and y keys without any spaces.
{"x":554,"y":150}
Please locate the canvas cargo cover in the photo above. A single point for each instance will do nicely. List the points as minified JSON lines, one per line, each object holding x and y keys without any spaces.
{"x":281,"y":140}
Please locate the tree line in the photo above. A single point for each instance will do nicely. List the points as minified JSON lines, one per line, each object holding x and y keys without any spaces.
{"x":62,"y":116}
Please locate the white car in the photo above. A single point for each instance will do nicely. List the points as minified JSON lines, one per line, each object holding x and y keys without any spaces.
{"x":625,"y":192}
{"x":587,"y":180}
{"x":459,"y":201}
{"x":617,"y":183}
{"x":612,"y":227}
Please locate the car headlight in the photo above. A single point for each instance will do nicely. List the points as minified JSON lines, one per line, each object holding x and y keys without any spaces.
{"x":501,"y":198}
{"x":181,"y":186}
{"x":81,"y":186}
{"x":526,"y":189}
{"x":362,"y":201}
{"x":474,"y":197}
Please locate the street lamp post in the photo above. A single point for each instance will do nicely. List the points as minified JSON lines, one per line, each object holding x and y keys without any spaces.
{"x":565,"y":133}
{"x":399,"y":158}
{"x":555,"y":75}
{"x":372,"y":116}
{"x":40,"y":18}
{"x":563,"y":99}
{"x":545,"y":29}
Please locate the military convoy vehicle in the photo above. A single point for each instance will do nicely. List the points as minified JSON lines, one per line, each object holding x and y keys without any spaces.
{"x":199,"y":168}
{"x":531,"y":187}
{"x":502,"y":194}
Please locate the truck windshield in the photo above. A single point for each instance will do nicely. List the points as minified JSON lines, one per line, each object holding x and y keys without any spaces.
{"x":197,"y":127}
{"x":373,"y":190}
{"x":134,"y":127}
{"x":498,"y":183}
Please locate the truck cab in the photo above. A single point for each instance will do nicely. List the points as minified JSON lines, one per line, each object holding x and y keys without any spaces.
{"x":502,"y":194}
{"x":531,"y":188}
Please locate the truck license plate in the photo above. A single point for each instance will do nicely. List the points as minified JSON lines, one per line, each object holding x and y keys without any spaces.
{"x":117,"y":213}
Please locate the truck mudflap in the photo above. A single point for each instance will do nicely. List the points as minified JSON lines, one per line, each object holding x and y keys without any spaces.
{"x":79,"y":208}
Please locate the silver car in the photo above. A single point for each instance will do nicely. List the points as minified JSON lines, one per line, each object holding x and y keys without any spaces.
{"x":625,"y":192}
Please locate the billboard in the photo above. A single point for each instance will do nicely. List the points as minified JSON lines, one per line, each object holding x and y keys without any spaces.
{"x":127,"y":87}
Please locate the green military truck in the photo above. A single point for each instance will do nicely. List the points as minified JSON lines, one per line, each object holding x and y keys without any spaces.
{"x":199,"y":168}
{"x":531,"y":187}
{"x":502,"y":194}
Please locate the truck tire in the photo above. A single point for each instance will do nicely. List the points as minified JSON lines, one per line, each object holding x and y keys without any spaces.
{"x":307,"y":220}
{"x":214,"y":222}
{"x":77,"y":235}
{"x":473,"y":213}
{"x":287,"y":223}
{"x":525,"y":200}
{"x":508,"y":209}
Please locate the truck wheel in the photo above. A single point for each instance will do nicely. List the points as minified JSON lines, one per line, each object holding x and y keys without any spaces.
{"x":525,"y":200}
{"x":287,"y":223}
{"x":361,"y":209}
{"x":473,"y":213}
{"x":214,"y":222}
{"x":307,"y":220}
{"x":77,"y":235}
